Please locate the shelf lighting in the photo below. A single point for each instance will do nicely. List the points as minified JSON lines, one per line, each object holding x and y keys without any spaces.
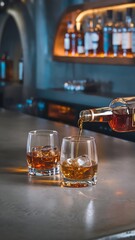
{"x":85,"y":13}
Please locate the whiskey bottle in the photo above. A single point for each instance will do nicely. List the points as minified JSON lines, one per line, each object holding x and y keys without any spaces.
{"x":127,"y":33}
{"x":94,"y":39}
{"x":99,"y":30}
{"x":117,"y":35}
{"x":107,"y":34}
{"x":80,"y":39}
{"x":74,"y":41}
{"x":120,"y":115}
{"x":67,"y":38}
{"x":87,"y":37}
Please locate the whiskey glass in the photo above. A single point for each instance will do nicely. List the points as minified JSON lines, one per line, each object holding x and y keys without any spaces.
{"x":43,"y":154}
{"x":78,"y":161}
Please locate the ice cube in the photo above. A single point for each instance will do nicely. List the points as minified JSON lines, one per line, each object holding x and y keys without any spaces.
{"x":83,"y":161}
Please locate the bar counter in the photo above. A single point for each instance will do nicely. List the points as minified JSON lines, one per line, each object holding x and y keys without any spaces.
{"x":34,"y":208}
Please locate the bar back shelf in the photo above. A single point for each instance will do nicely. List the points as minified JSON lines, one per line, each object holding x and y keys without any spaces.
{"x":77,"y":13}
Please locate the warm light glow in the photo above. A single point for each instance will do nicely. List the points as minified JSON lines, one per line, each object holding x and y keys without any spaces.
{"x":48,"y":181}
{"x":14,"y":170}
{"x":103,"y":9}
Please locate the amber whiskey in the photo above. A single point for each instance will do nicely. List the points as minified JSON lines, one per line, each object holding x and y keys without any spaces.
{"x":43,"y":158}
{"x":73,"y":171}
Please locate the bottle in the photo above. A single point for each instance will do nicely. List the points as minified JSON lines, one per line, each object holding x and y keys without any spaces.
{"x":127,"y":33}
{"x":107,"y":34}
{"x":117,"y":35}
{"x":120,"y":115}
{"x":87,"y":37}
{"x":74,"y":41}
{"x":6,"y":66}
{"x":3,"y":67}
{"x":99,"y":30}
{"x":94,"y":38}
{"x":80,"y":39}
{"x":9,"y":68}
{"x":20,"y":70}
{"x":133,"y":41}
{"x":67,"y":38}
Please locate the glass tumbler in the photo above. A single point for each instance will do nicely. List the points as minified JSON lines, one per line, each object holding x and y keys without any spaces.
{"x":43,"y":154}
{"x":78,"y":161}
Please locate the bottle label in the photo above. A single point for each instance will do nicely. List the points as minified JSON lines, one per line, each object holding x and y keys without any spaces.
{"x":126,"y":40}
{"x":117,"y":38}
{"x":87,"y":41}
{"x":73,"y":44}
{"x":80,"y":49}
{"x":133,"y":42}
{"x":95,"y":39}
{"x":67,"y":43}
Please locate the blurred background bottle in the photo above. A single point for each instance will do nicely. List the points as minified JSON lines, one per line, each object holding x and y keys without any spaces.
{"x":107,"y":33}
{"x":117,"y":34}
{"x":95,"y":38}
{"x":67,"y":38}
{"x":127,"y":33}
{"x":80,"y":39}
{"x":20,"y":70}
{"x":99,"y":30}
{"x":87,"y":36}
{"x":74,"y":41}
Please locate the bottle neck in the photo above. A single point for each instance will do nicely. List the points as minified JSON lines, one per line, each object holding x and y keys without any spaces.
{"x":96,"y":115}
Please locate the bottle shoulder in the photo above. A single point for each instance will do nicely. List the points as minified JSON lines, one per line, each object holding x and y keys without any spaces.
{"x":123,"y":102}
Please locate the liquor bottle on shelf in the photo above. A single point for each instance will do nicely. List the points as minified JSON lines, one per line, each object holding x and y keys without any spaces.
{"x":67,"y":38}
{"x":80,"y":39}
{"x":3,"y":67}
{"x":107,"y":34}
{"x":87,"y":36}
{"x":99,"y":29}
{"x":127,"y":33}
{"x":120,"y":115}
{"x":9,"y":68}
{"x":20,"y":70}
{"x":95,"y":39}
{"x":74,"y":41}
{"x":117,"y":35}
{"x":133,"y":41}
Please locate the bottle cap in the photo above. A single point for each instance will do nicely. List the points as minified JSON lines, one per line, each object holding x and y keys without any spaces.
{"x":109,"y":14}
{"x":129,"y":12}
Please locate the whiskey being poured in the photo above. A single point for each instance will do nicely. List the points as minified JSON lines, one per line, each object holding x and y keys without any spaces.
{"x":120,"y":115}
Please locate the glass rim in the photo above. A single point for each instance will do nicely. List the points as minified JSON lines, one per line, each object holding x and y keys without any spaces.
{"x":42,"y":131}
{"x":77,"y":138}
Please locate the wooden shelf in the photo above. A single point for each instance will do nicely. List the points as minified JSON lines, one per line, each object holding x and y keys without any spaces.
{"x":96,"y":60}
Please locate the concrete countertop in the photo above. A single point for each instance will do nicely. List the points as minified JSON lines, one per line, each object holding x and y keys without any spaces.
{"x":34,"y":208}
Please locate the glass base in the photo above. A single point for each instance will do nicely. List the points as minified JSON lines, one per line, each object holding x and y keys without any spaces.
{"x":78,"y":184}
{"x":44,"y":172}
